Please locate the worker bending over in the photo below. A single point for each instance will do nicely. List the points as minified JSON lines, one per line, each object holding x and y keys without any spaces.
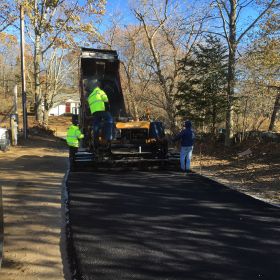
{"x":73,"y":138}
{"x":97,"y":100}
{"x":187,"y":140}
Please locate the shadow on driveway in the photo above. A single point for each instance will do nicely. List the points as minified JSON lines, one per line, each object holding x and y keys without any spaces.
{"x":153,"y":225}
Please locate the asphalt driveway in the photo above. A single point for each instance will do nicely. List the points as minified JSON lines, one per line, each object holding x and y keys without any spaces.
{"x":164,"y":225}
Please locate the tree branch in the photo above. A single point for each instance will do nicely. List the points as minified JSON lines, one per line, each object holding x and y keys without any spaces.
{"x":224,"y":22}
{"x":257,"y":19}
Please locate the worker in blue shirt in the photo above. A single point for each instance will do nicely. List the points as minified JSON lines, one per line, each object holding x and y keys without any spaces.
{"x":187,"y":137}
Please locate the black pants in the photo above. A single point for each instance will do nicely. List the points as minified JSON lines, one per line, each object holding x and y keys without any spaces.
{"x":72,"y":152}
{"x":105,"y":116}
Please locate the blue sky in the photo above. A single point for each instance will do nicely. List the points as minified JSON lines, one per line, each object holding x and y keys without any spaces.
{"x":116,"y":5}
{"x":123,"y":6}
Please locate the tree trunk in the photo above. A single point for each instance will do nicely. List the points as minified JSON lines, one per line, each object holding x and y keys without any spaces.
{"x":38,"y":100}
{"x":231,"y":74}
{"x":229,"y":112}
{"x":46,"y":117}
{"x":172,"y":120}
{"x":133,"y":101}
{"x":135,"y":109}
{"x":244,"y":123}
{"x":275,"y":112}
{"x":214,"y":118}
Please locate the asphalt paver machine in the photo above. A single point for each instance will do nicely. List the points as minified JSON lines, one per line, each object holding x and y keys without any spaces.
{"x":134,"y":141}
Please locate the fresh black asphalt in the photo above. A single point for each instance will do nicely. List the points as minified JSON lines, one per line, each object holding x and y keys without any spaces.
{"x":1,"y":227}
{"x":167,"y":226}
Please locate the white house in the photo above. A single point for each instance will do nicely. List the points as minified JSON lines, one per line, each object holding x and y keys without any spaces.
{"x":69,"y":106}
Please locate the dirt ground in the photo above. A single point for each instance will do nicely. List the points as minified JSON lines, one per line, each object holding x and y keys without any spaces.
{"x":31,"y":177}
{"x":257,"y":174}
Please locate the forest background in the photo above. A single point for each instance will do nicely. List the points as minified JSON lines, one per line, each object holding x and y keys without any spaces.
{"x":214,"y":62}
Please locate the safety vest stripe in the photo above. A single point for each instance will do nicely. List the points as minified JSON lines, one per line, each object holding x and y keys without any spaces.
{"x":74,"y":143}
{"x":93,"y":93}
{"x":72,"y":140}
{"x":95,"y":101}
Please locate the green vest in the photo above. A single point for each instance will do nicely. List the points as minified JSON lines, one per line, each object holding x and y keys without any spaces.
{"x":96,"y":100}
{"x":73,"y":136}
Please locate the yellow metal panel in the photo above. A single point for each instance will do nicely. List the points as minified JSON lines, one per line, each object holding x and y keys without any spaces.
{"x":136,"y":124}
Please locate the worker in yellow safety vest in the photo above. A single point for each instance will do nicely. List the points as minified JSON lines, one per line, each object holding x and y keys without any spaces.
{"x":74,"y":135}
{"x":98,"y":104}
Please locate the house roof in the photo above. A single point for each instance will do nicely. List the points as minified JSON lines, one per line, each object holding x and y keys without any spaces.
{"x":71,"y":101}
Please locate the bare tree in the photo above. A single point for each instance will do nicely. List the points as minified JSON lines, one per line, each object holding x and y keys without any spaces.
{"x":270,"y":28}
{"x":8,"y":68}
{"x":169,"y":36}
{"x":7,"y":14}
{"x":130,"y":56}
{"x":229,"y":12}
{"x":52,"y":23}
{"x":276,"y":109}
{"x":257,"y":89}
{"x":124,"y":40}
{"x":136,"y":77}
{"x":58,"y":80}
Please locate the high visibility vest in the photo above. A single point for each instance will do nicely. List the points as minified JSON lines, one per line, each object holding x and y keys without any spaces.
{"x":96,"y":100}
{"x":73,"y":136}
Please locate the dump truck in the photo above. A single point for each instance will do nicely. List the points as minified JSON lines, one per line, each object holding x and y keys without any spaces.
{"x":133,"y":140}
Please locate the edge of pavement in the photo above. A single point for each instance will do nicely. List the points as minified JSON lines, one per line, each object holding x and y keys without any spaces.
{"x":227,"y":183}
{"x":65,"y":235}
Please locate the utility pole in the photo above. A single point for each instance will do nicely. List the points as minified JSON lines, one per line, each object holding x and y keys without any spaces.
{"x":14,"y":119}
{"x":22,"y":43}
{"x":15,"y":99}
